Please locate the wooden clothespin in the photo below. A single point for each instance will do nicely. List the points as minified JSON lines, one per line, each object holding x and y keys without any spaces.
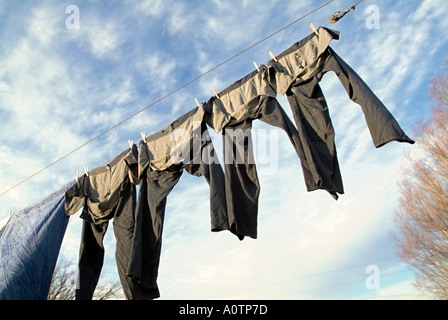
{"x":131,"y":143}
{"x":11,"y":212}
{"x":86,"y":170}
{"x":314,"y":28}
{"x":256,"y":66}
{"x":272,"y":55}
{"x":217,"y":96}
{"x":197,"y":102}
{"x":143,"y":137}
{"x":77,"y":176}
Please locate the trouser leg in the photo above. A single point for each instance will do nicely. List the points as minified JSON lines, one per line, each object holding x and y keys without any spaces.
{"x":382,"y":125}
{"x":91,"y":259}
{"x":147,"y":241}
{"x":312,"y":118}
{"x":272,"y":113}
{"x":241,"y":180}
{"x":123,"y":223}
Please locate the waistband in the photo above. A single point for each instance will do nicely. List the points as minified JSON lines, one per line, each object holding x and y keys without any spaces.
{"x":324,"y":38}
{"x":195,"y":114}
{"x":238,"y":100}
{"x":173,"y":142}
{"x":300,"y":60}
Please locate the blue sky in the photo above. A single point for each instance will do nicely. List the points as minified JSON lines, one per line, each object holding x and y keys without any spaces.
{"x":61,"y":87}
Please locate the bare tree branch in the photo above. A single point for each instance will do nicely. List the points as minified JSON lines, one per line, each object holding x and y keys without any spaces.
{"x":63,"y":285}
{"x":422,"y":213}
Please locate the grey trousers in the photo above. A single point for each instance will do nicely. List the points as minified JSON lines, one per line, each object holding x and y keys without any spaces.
{"x":242,"y":183}
{"x":91,"y":254}
{"x":297,"y":73}
{"x":155,"y":187}
{"x":317,"y":134}
{"x":107,"y":193}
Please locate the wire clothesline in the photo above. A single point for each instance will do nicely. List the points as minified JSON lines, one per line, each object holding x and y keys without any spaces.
{"x":333,"y":19}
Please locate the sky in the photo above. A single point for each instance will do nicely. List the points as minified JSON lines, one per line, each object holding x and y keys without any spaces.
{"x":64,"y":81}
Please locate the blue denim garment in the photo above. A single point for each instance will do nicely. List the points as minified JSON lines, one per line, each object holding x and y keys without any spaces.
{"x":29,"y":248}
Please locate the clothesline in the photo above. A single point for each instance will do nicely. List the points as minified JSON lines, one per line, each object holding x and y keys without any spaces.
{"x":110,"y":192}
{"x":172,"y":92}
{"x":332,"y":19}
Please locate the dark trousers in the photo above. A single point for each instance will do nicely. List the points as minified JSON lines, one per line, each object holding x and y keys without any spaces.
{"x":91,"y":256}
{"x":242,"y":184}
{"x":316,"y":130}
{"x":155,"y":187}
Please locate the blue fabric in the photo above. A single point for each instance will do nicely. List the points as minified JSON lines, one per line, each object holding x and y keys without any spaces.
{"x":29,"y":247}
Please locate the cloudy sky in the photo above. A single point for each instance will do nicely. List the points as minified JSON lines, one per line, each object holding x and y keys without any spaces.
{"x":65,"y":81}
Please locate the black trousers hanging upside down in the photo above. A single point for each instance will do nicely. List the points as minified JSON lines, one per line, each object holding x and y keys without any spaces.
{"x":155,"y":187}
{"x":106,"y":193}
{"x":313,"y":121}
{"x":242,"y":183}
{"x":91,"y":255}
{"x":297,"y":73}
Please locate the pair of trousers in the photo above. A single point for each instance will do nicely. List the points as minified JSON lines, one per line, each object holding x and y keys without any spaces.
{"x":313,"y":121}
{"x":106,"y":193}
{"x":91,"y":255}
{"x":307,"y":62}
{"x":156,"y":185}
{"x":241,"y":179}
{"x":248,"y":99}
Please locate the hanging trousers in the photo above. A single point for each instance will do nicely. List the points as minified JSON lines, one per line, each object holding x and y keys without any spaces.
{"x":91,"y":255}
{"x":242,"y":183}
{"x":107,"y":193}
{"x":158,"y":180}
{"x":248,"y":99}
{"x":298,"y":73}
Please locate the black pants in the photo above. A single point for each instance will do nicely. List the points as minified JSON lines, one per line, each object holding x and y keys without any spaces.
{"x":91,"y":256}
{"x":312,"y":118}
{"x":315,"y":128}
{"x":242,"y":184}
{"x":155,"y":187}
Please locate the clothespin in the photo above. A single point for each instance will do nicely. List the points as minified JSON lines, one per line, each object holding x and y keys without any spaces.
{"x":197,"y":102}
{"x":272,"y":55}
{"x":86,"y":170}
{"x":131,"y":143}
{"x":77,"y":176}
{"x":143,"y":137}
{"x":256,"y":66}
{"x":217,"y":96}
{"x":11,"y":212}
{"x":314,"y":28}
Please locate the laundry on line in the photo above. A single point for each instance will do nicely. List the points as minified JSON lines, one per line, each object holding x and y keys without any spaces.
{"x":157,"y":164}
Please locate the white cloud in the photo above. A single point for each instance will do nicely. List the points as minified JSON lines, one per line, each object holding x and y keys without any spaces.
{"x":176,"y":17}
{"x":158,"y":69}
{"x":104,"y":38}
{"x":236,"y":24}
{"x":179,"y":20}
{"x":43,"y":26}
{"x":152,"y":7}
